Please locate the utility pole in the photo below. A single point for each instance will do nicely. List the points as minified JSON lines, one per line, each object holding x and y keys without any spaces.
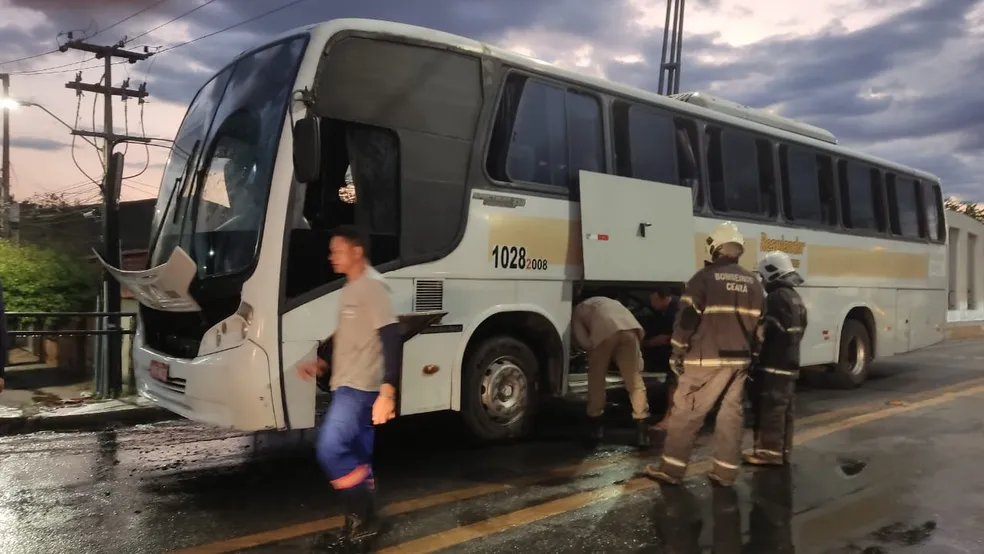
{"x":5,"y":169}
{"x":109,"y":377}
{"x":669,"y":70}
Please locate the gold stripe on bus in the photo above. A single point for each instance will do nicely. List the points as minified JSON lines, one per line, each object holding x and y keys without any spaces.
{"x":556,"y":240}
{"x":837,"y":261}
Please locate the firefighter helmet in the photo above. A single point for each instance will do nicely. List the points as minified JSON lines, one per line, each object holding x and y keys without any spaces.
{"x":724,"y":233}
{"x":775,"y":265}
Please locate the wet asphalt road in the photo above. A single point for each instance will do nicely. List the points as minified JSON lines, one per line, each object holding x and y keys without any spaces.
{"x":889,"y":468}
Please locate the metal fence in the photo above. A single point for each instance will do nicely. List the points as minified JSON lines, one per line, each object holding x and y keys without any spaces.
{"x":109,"y":376}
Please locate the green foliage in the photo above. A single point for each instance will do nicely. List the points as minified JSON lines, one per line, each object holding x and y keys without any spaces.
{"x":39,"y":279}
{"x":971,"y":209}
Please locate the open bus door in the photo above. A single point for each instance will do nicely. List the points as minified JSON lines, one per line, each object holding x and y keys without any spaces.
{"x":636,"y":231}
{"x":634,"y":234}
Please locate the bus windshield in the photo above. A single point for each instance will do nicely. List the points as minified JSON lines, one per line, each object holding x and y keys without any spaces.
{"x":214,"y":191}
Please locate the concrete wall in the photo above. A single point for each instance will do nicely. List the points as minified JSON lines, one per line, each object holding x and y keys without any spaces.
{"x":966,"y":270}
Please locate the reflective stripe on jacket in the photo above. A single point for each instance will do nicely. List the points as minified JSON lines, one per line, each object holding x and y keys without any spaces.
{"x":720,"y":313}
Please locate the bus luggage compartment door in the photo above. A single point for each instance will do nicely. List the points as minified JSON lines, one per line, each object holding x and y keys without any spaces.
{"x":636,"y":231}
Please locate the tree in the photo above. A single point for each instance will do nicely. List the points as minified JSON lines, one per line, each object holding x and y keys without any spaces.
{"x":971,"y":209}
{"x":45,"y":279}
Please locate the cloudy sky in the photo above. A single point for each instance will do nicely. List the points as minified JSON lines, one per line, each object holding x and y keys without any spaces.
{"x":896,"y":78}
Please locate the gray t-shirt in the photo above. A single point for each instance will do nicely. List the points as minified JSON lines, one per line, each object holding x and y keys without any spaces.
{"x":357,"y":353}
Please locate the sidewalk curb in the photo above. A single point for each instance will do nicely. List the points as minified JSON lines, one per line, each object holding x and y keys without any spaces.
{"x":93,"y":421}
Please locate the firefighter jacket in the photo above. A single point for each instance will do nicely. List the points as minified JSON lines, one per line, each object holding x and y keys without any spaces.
{"x":782,"y":329}
{"x":598,"y":318}
{"x":720,"y":313}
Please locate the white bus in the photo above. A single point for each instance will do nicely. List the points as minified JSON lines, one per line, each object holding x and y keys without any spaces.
{"x":492,"y":187}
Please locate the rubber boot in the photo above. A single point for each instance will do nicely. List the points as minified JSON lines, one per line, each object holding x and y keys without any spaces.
{"x":337,"y":541}
{"x":594,"y":430}
{"x":366,"y":518}
{"x":643,"y":434}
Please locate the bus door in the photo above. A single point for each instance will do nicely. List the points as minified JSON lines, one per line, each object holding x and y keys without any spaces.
{"x":636,"y":231}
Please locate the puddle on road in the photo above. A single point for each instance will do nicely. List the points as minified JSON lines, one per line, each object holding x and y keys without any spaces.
{"x":852,"y":467}
{"x":899,"y":533}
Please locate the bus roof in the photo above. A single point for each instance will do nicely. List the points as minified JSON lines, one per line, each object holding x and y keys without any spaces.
{"x":692,"y":104}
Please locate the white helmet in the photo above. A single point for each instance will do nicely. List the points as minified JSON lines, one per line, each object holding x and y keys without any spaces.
{"x":774,"y":266}
{"x":723,"y":234}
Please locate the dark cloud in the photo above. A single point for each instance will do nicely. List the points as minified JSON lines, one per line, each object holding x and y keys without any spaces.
{"x":821,"y":79}
{"x":32,"y":143}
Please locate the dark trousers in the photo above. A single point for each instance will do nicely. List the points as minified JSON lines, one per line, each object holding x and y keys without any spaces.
{"x":657,"y":359}
{"x":774,"y":420}
{"x":345,"y":442}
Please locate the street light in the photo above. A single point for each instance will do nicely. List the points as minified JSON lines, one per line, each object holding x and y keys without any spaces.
{"x":12,"y":104}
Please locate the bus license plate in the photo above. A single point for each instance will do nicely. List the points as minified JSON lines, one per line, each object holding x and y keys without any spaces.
{"x":159,"y":370}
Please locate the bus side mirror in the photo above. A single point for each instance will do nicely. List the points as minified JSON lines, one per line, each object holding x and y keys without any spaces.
{"x":307,"y":149}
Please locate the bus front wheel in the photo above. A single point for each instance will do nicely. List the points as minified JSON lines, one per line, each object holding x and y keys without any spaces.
{"x":499,"y":393}
{"x":851,"y":369}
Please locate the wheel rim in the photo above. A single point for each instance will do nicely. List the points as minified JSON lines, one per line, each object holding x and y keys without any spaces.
{"x":504,"y":391}
{"x":857,"y":355}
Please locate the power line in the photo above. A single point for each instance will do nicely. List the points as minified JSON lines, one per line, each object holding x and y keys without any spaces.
{"x":54,"y":70}
{"x":185,"y":14}
{"x":125,"y":19}
{"x":230,"y":27}
{"x":25,"y":58}
{"x":57,"y":50}
{"x":58,"y":68}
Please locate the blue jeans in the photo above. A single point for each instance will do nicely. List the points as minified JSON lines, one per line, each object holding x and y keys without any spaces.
{"x":345,"y":441}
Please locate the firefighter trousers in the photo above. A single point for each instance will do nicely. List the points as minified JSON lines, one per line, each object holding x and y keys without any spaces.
{"x":698,"y":391}
{"x":774,"y":421}
{"x":623,"y":346}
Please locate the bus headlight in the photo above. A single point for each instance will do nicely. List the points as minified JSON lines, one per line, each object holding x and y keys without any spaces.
{"x":228,"y":333}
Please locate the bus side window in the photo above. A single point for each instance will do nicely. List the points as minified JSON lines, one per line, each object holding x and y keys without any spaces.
{"x":644,"y":144}
{"x":688,"y":158}
{"x":903,"y":206}
{"x":933,"y":208}
{"x":808,"y":186}
{"x":740,"y":173}
{"x":545,"y":134}
{"x":861,"y":196}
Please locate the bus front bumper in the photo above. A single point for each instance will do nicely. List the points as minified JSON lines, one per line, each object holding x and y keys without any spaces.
{"x":227,"y":389}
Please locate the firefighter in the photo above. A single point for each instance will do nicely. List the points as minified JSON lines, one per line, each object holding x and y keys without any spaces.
{"x":606,"y":329}
{"x":714,"y":341}
{"x":778,"y":364}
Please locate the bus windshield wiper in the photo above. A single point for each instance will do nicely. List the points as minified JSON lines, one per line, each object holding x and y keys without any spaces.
{"x":180,"y":179}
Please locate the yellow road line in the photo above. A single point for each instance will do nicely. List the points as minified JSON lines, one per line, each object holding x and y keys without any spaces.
{"x":495,"y":525}
{"x":327,"y":524}
{"x":824,"y":430}
{"x":869,"y":407}
{"x":518,"y":518}
{"x":412,"y":505}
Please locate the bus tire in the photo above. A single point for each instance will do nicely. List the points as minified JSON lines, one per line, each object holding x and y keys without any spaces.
{"x":499,"y":393}
{"x":851,"y":369}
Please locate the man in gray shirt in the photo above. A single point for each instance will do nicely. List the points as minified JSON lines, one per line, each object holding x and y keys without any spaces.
{"x":366,"y":353}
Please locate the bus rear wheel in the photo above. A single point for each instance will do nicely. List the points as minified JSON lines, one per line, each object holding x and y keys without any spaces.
{"x":851,"y":369}
{"x":499,"y":394}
